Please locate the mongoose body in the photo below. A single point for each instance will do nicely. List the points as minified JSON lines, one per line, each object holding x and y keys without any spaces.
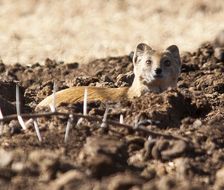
{"x":154,"y":71}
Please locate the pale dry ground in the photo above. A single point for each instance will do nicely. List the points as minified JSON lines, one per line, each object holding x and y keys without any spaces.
{"x":68,"y":30}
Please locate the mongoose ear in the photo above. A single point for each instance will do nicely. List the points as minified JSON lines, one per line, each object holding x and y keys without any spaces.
{"x":219,"y":40}
{"x":140,"y":50}
{"x":173,"y":49}
{"x":131,"y":55}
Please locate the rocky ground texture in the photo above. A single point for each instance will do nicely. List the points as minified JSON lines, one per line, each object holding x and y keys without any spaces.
{"x":189,"y":156}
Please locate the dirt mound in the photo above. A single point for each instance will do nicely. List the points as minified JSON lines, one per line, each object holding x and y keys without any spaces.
{"x":117,"y":158}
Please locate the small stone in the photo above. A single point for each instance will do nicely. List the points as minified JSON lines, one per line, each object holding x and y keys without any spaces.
{"x":65,"y":179}
{"x":149,"y":172}
{"x":18,"y":167}
{"x":176,"y":149}
{"x":219,"y":183}
{"x":101,"y":153}
{"x":137,"y":160}
{"x":197,"y":123}
{"x":123,"y":181}
{"x":14,"y":127}
{"x":47,"y":161}
{"x":5,"y":158}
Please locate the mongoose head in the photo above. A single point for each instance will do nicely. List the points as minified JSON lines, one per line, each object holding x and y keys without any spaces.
{"x":157,"y":70}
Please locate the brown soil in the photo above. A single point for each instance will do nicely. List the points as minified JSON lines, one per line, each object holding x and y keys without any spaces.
{"x":117,"y":158}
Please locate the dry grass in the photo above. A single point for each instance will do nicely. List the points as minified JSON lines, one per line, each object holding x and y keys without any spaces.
{"x":32,"y":30}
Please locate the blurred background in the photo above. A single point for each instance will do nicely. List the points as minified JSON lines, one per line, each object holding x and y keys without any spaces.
{"x":68,"y":30}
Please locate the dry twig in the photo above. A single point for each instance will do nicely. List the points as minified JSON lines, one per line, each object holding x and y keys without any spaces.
{"x":93,"y":118}
{"x":1,"y":123}
{"x":68,"y":126}
{"x":20,"y":119}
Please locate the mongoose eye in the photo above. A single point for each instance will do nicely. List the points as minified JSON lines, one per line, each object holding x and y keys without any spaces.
{"x":148,"y":62}
{"x":167,"y":63}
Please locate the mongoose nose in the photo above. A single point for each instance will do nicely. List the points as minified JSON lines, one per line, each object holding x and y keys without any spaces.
{"x":158,"y":71}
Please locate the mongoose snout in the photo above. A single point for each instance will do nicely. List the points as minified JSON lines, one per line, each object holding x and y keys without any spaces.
{"x":158,"y":72}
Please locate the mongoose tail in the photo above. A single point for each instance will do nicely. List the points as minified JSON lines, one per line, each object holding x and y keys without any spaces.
{"x":76,"y":94}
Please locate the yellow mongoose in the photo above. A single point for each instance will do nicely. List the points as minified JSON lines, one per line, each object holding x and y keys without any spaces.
{"x":154,"y":71}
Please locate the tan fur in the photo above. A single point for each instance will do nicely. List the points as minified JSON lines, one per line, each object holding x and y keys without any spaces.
{"x":147,"y":62}
{"x":76,"y":94}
